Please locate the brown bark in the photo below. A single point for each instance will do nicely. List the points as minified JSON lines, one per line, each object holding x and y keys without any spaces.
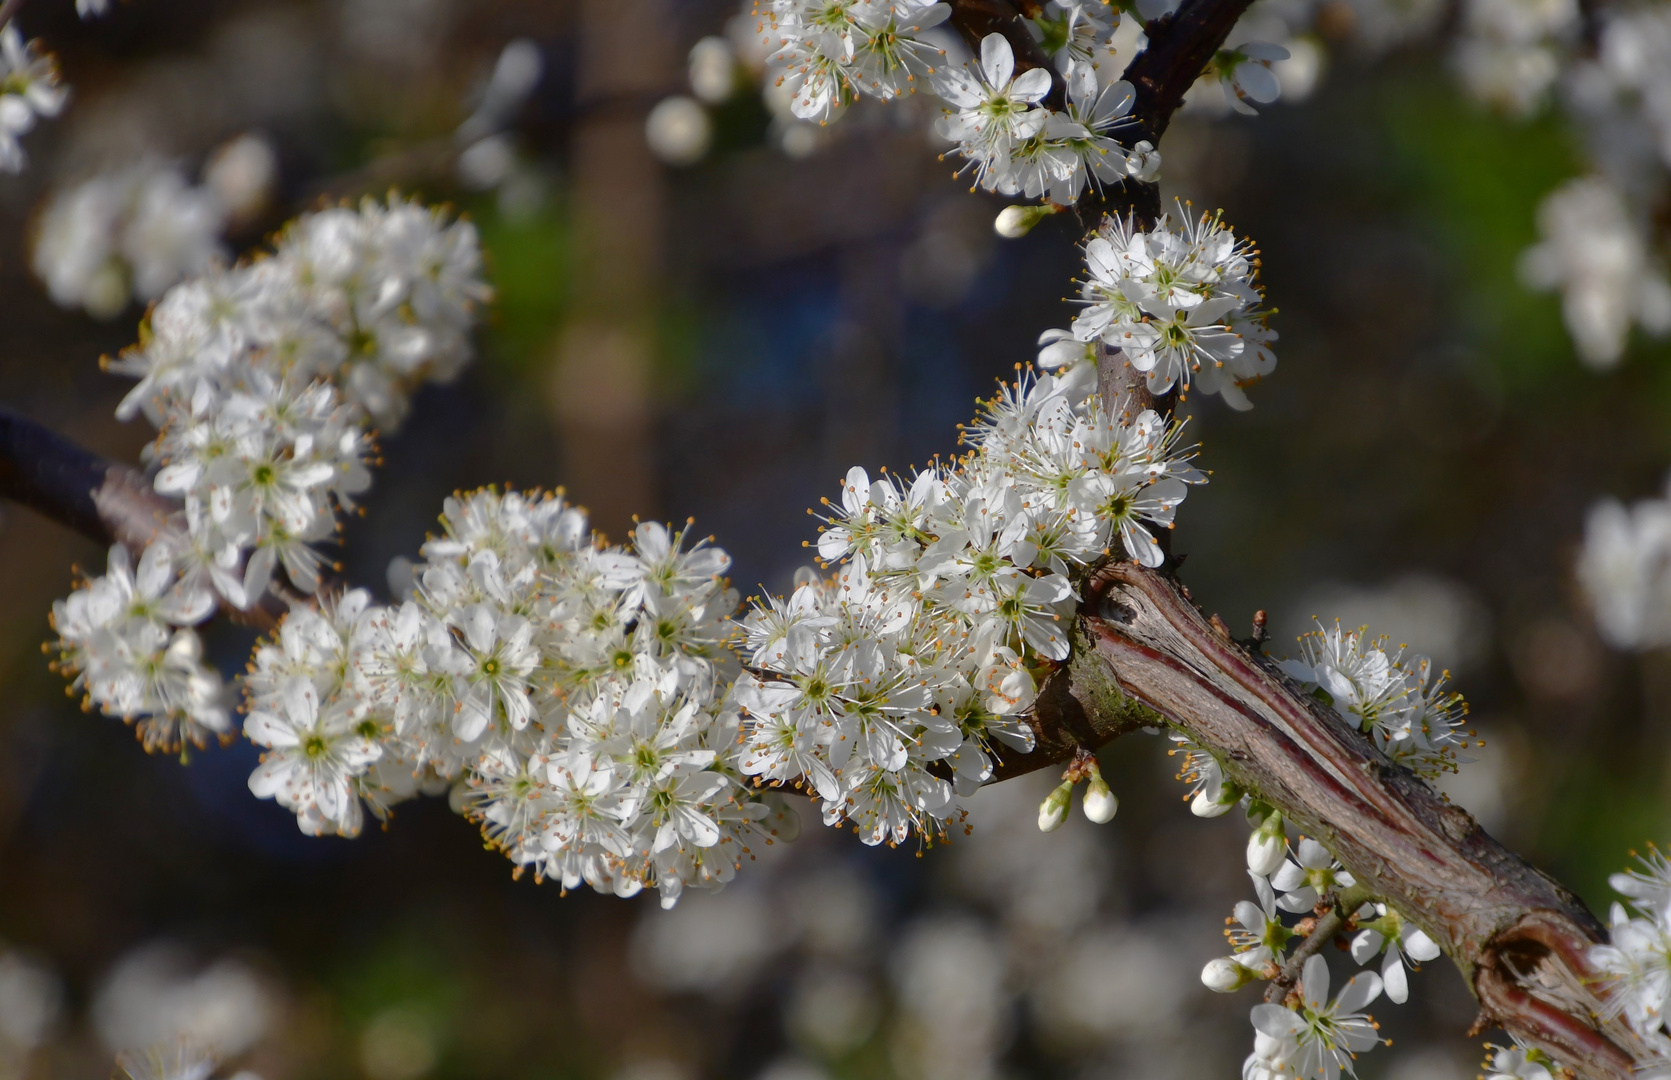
{"x":1518,"y":937}
{"x":104,"y":500}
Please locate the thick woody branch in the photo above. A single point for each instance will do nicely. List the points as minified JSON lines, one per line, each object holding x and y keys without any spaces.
{"x":101,"y":499}
{"x":1080,"y":706}
{"x":1181,"y":45}
{"x":104,"y":500}
{"x":1519,"y":938}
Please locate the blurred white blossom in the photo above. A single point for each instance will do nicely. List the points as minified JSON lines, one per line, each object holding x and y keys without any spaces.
{"x":155,"y":997}
{"x":29,"y":89}
{"x":1625,"y":569}
{"x":1597,"y":257}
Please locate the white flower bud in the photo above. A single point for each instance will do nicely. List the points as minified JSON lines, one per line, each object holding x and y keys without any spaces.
{"x":1014,"y":222}
{"x":1099,"y":803}
{"x":1267,"y":847}
{"x":1054,"y":809}
{"x":1225,"y":976}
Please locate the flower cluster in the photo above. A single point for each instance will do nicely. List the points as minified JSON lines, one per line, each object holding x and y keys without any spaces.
{"x":134,"y":232}
{"x":926,"y":647}
{"x":1636,"y":963}
{"x":832,"y":51}
{"x":828,"y":53}
{"x":260,"y":379}
{"x":29,"y":89}
{"x":1310,"y":1037}
{"x":1398,"y":701}
{"x":1511,"y":51}
{"x":125,"y":637}
{"x":1318,"y":1037}
{"x":568,"y":694}
{"x":1180,"y":302}
{"x":376,"y":300}
{"x":1017,"y":146}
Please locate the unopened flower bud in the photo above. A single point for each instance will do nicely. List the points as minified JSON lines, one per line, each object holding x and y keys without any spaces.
{"x":1014,"y":222}
{"x":1099,"y":803}
{"x":1225,"y":976}
{"x":1267,"y":847}
{"x":1054,"y":809}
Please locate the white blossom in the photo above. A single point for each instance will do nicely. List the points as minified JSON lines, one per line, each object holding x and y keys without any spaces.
{"x":993,"y":110}
{"x":1598,"y":257}
{"x":1511,"y":51}
{"x":1520,"y":1063}
{"x":125,"y":638}
{"x":1636,"y":961}
{"x":828,"y":52}
{"x":1318,"y":1040}
{"x":1247,"y":76}
{"x":1385,"y":930}
{"x":29,"y":89}
{"x":1398,"y":700}
{"x":1180,"y":303}
{"x":1625,"y":570}
{"x":1309,"y":877}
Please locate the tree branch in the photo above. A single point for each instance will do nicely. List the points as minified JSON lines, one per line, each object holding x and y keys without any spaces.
{"x":9,"y":10}
{"x":1519,"y":938}
{"x":1181,"y":45}
{"x":103,"y":500}
{"x":1322,"y":932}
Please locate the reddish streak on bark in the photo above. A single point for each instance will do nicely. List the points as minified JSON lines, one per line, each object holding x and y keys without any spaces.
{"x":1519,"y":938}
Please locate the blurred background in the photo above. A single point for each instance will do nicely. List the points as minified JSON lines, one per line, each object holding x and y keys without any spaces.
{"x":716,"y":320}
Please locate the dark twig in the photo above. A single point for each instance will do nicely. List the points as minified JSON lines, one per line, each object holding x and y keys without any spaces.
{"x":9,"y":10}
{"x":102,"y":499}
{"x":1323,"y":930}
{"x":1181,"y":45}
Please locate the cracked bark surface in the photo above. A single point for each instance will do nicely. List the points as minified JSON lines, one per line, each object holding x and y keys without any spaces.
{"x":1518,"y":937}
